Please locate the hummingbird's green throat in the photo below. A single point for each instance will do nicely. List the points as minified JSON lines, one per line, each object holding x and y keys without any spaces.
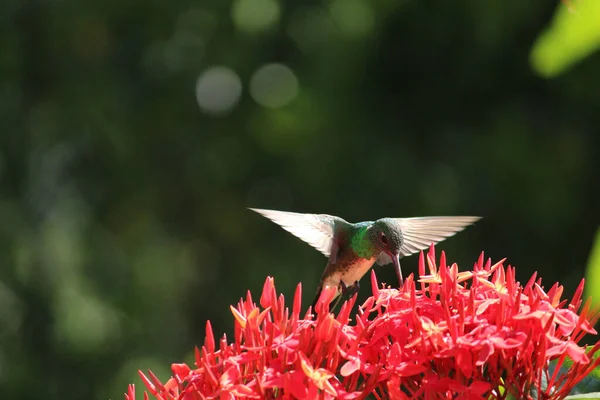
{"x":352,"y":249}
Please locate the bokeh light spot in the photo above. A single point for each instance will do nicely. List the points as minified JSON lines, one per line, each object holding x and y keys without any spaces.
{"x":218,"y":90}
{"x":84,"y":323}
{"x":352,"y":17}
{"x":273,"y":85}
{"x":253,"y":16}
{"x":311,"y":28}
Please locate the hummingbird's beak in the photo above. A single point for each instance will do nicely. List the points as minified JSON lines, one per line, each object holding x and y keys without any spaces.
{"x":396,"y":261}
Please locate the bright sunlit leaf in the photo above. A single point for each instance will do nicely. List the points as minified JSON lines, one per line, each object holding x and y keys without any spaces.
{"x":592,"y":274}
{"x":572,"y":35}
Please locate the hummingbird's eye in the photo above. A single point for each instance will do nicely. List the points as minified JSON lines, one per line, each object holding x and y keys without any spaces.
{"x":383,"y":238}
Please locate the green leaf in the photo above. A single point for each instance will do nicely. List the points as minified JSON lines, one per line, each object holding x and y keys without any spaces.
{"x":572,"y":35}
{"x":592,"y":275}
{"x":589,"y":384}
{"x":584,"y":396}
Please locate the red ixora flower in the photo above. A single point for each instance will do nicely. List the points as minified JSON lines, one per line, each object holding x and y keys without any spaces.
{"x":468,"y":335}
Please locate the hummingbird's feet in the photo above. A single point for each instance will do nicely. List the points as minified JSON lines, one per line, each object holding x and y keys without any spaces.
{"x":349,"y":290}
{"x":352,"y":290}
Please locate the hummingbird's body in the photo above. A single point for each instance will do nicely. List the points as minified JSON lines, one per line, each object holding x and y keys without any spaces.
{"x":354,"y":248}
{"x":354,"y":257}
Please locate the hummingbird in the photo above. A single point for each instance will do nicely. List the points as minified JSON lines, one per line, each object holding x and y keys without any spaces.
{"x":353,"y":248}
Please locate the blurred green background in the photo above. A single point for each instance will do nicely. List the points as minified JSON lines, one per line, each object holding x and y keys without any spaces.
{"x":134,"y":134}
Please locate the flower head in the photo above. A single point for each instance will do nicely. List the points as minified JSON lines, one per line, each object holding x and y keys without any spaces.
{"x":469,"y":335}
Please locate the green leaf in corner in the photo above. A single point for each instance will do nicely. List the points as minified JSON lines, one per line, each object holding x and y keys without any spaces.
{"x":590,"y":384}
{"x":572,"y":35}
{"x":592,"y":274}
{"x":584,"y":396}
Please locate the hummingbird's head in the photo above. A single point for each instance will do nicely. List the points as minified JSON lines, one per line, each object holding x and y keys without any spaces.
{"x":386,"y":236}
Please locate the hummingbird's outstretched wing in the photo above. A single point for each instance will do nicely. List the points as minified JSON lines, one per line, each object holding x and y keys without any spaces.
{"x":418,"y":233}
{"x":317,"y":230}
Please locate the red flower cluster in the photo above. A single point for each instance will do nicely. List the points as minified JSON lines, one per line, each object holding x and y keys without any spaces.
{"x":468,"y":335}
